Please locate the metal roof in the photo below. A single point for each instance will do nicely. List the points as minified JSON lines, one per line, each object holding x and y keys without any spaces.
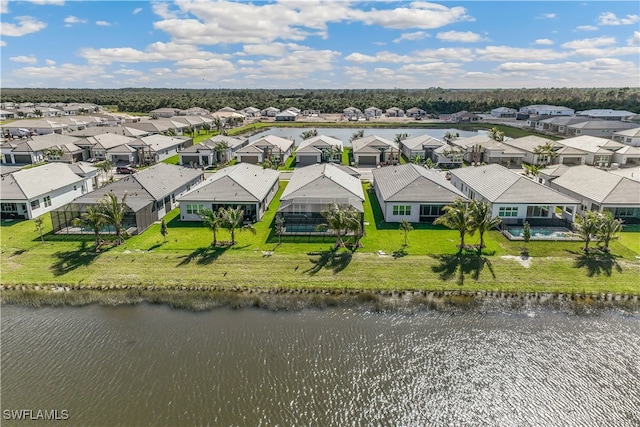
{"x":27,"y":184}
{"x":599,"y":186}
{"x":413,"y":183}
{"x":373,"y":141}
{"x":242,"y":182}
{"x":498,"y":184}
{"x":420,"y":142}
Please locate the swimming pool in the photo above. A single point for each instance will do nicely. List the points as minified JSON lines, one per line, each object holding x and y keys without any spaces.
{"x":543,"y":233}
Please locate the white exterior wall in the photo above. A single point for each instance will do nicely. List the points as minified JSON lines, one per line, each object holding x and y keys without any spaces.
{"x":390,"y":217}
{"x":59,"y":197}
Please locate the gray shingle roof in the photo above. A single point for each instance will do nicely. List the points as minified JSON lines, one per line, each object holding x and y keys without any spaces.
{"x":498,"y":184}
{"x":242,"y":182}
{"x":413,"y":183}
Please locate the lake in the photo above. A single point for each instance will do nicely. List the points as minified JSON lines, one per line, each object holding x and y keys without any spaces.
{"x":152,"y":365}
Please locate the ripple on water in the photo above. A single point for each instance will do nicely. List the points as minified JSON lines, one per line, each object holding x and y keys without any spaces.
{"x":150,"y":365}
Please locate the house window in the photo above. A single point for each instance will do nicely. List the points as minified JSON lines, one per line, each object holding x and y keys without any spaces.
{"x":47,"y":201}
{"x":194,"y":209}
{"x":623,"y":212}
{"x":9,"y":207}
{"x":569,"y":210}
{"x":402,"y":210}
{"x":35,"y":204}
{"x":508,"y":211}
{"x":538,"y":211}
{"x":431,"y":210}
{"x":602,"y":159}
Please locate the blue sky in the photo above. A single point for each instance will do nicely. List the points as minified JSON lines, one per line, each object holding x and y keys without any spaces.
{"x":319,"y":44}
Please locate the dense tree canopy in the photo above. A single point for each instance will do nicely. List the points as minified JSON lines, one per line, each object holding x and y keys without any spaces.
{"x":432,"y":100}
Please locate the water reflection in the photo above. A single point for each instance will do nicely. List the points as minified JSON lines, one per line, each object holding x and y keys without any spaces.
{"x":150,"y":365}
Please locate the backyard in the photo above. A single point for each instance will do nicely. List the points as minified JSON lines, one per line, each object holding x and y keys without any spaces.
{"x":430,"y":261}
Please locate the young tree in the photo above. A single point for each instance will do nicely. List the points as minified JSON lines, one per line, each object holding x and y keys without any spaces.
{"x":105,"y":167}
{"x":232,"y":219}
{"x":94,"y":219}
{"x":406,"y":227}
{"x":213,"y":221}
{"x":526,"y":233}
{"x":309,"y":134}
{"x":39,"y":222}
{"x":113,"y":212}
{"x":607,"y":228}
{"x":221,"y":148}
{"x":279,"y":227}
{"x":341,"y":220}
{"x":545,"y":153}
{"x":456,"y":217}
{"x":481,"y":218}
{"x":164,"y":230}
{"x":357,"y":135}
{"x":496,"y":134}
{"x":587,"y":226}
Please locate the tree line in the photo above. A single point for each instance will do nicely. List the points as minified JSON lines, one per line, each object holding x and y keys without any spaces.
{"x":432,"y":100}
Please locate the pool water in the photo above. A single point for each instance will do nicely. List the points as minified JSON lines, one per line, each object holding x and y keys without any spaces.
{"x":542,"y":233}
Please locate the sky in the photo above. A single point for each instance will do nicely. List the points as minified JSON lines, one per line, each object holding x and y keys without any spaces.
{"x":317,"y":44}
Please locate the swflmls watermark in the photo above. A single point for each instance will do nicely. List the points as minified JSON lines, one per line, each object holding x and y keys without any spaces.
{"x":35,"y":414}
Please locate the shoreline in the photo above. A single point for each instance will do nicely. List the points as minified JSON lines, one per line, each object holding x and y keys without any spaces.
{"x":206,"y":298}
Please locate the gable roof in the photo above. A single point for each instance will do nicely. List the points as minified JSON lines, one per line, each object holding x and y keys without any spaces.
{"x":498,"y":184}
{"x":412,"y":183}
{"x":599,"y":186}
{"x":592,"y":144}
{"x":530,"y":143}
{"x":373,"y":141}
{"x":277,"y":142}
{"x":320,"y":141}
{"x":324,"y":182}
{"x":30,"y":183}
{"x":421,"y":141}
{"x":106,"y":140}
{"x":241,"y":182}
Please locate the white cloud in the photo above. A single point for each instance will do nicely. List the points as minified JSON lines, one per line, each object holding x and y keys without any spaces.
{"x":635,"y":39}
{"x":423,"y":15}
{"x":417,"y":35}
{"x":3,"y":43}
{"x":589,"y":43}
{"x":50,"y":62}
{"x":128,"y":72}
{"x":459,"y":36}
{"x":48,"y":2}
{"x":155,"y":52}
{"x":547,"y":16}
{"x":70,"y":20}
{"x":25,"y":25}
{"x":137,"y":10}
{"x":586,"y":28}
{"x":25,"y":59}
{"x":427,"y":55}
{"x":64,"y":73}
{"x":103,"y":23}
{"x":609,"y":18}
{"x":543,"y":42}
{"x":4,"y":6}
{"x":507,"y":53}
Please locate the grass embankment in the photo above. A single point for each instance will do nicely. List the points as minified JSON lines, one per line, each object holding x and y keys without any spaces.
{"x":429,"y":263}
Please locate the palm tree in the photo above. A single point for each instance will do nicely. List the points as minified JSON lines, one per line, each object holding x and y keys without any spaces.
{"x":54,"y":153}
{"x":94,"y":219}
{"x":430,"y":164}
{"x":309,"y":134}
{"x":39,"y":222}
{"x":164,"y":230}
{"x":113,"y":212}
{"x":232,"y":220}
{"x":587,"y":225}
{"x":496,"y":134}
{"x":607,"y":228}
{"x":406,"y":227}
{"x":280,"y":227}
{"x":221,"y":148}
{"x":482,"y":219}
{"x":357,"y":135}
{"x":213,"y":221}
{"x":546,"y":153}
{"x":450,"y":136}
{"x":341,"y":220}
{"x":105,"y":167}
{"x":206,"y":126}
{"x":456,"y":217}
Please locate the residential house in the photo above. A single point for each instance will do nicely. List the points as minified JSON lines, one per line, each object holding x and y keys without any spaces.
{"x":151,"y":194}
{"x":504,"y":112}
{"x":413,"y":193}
{"x":248,"y":186}
{"x":156,"y":148}
{"x":557,"y":124}
{"x":372,"y":112}
{"x":352,"y":113}
{"x":374,"y":150}
{"x":599,"y":151}
{"x":164,"y":112}
{"x":484,"y":149}
{"x":319,"y":149}
{"x":529,"y":145}
{"x":286,"y":116}
{"x":628,"y":137}
{"x":4,"y":114}
{"x":269,"y":112}
{"x":601,"y":128}
{"x":551,"y":110}
{"x":194,"y":111}
{"x":33,"y":126}
{"x":51,"y":147}
{"x":118,"y":130}
{"x":268,"y":147}
{"x":251,"y":112}
{"x":29,"y":193}
{"x":464,"y":117}
{"x":416,"y":113}
{"x":626,"y":156}
{"x":605,"y":114}
{"x":599,"y":190}
{"x":220,"y":148}
{"x":312,"y":189}
{"x":448,"y":156}
{"x":421,"y":147}
{"x":394,"y":112}
{"x":163,"y":125}
{"x":99,"y":145}
{"x":514,"y":197}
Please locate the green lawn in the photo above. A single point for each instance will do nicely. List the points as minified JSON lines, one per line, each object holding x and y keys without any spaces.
{"x":429,"y":262}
